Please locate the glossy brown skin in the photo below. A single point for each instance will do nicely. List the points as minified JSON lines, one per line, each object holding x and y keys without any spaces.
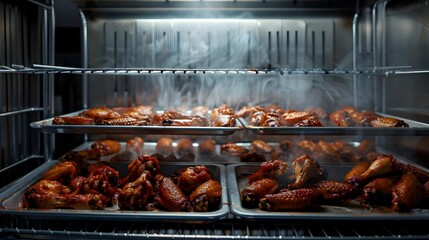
{"x":306,"y":171}
{"x":333,"y":190}
{"x":176,"y":118}
{"x":256,"y":118}
{"x":379,"y":166}
{"x":124,"y":121}
{"x":327,"y":152}
{"x":98,"y":113}
{"x":135,"y":144}
{"x":363,"y":119}
{"x":193,"y":177}
{"x":75,"y":120}
{"x":170,"y":197}
{"x":232,"y":149}
{"x":296,"y":117}
{"x":136,"y":111}
{"x":309,"y":122}
{"x":46,"y":194}
{"x":421,"y":175}
{"x":269,"y":169}
{"x":388,"y":122}
{"x":406,"y":193}
{"x":252,"y":157}
{"x":291,"y":200}
{"x":271,"y":120}
{"x":98,"y":149}
{"x":223,"y":121}
{"x":251,"y":195}
{"x":103,"y":179}
{"x":135,"y":195}
{"x":379,"y":189}
{"x":89,"y":201}
{"x":206,"y":196}
{"x":164,"y":146}
{"x":106,"y":147}
{"x":321,"y":114}
{"x":353,"y":175}
{"x":260,"y":146}
{"x":341,"y":118}
{"x":221,"y":110}
{"x":309,"y":146}
{"x":207,"y":147}
{"x":184,"y":145}
{"x":141,"y":164}
{"x":62,"y":172}
{"x":347,"y":152}
{"x":248,"y":111}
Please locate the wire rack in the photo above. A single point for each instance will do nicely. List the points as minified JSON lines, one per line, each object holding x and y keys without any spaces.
{"x":226,"y":229}
{"x":48,"y":69}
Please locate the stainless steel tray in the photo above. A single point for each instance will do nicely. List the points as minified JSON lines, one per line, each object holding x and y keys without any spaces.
{"x":46,"y":126}
{"x":12,"y":200}
{"x":237,"y":181}
{"x":415,"y":129}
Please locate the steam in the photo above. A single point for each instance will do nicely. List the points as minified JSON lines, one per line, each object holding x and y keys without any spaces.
{"x":215,"y":44}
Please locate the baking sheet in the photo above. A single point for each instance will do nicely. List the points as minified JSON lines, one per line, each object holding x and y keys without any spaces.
{"x":352,"y":210}
{"x":11,"y":200}
{"x":415,"y":129}
{"x":46,"y":126}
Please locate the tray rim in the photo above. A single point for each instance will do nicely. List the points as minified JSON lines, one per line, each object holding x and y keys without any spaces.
{"x":122,"y":215}
{"x":46,"y":126}
{"x":419,"y":129}
{"x":239,"y":211}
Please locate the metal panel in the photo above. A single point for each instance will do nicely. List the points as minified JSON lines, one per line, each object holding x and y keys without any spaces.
{"x":21,"y":97}
{"x":293,"y":43}
{"x":320,"y":44}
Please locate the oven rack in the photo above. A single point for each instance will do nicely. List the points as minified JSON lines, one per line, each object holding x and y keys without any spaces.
{"x":50,"y":69}
{"x":226,"y":229}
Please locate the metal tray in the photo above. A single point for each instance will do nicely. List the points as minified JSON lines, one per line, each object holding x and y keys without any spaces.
{"x":46,"y":126}
{"x":352,"y":210}
{"x":415,"y":129}
{"x":12,"y":200}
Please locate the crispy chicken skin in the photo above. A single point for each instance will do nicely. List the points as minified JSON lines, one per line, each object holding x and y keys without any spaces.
{"x":206,"y":196}
{"x":353,"y":175}
{"x":406,"y":193}
{"x":251,"y":195}
{"x":170,"y":197}
{"x":334,"y":191}
{"x":193,"y":177}
{"x":135,"y":195}
{"x":306,"y":171}
{"x":378,"y":190}
{"x":269,"y":169}
{"x":164,"y":146}
{"x":291,"y":200}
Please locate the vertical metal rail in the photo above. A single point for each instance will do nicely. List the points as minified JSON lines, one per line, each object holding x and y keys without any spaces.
{"x":355,"y":47}
{"x":48,"y":89}
{"x":84,"y":52}
{"x":379,"y":58}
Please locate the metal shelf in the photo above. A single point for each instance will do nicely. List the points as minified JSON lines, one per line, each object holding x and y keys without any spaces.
{"x":48,"y":69}
{"x":226,"y":229}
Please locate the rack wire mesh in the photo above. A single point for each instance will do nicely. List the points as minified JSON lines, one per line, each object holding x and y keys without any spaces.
{"x":226,"y":229}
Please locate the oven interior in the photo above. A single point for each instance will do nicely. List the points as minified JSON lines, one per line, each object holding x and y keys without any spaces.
{"x":295,"y":54}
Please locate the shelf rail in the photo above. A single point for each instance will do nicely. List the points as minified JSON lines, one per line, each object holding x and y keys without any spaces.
{"x":49,"y":69}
